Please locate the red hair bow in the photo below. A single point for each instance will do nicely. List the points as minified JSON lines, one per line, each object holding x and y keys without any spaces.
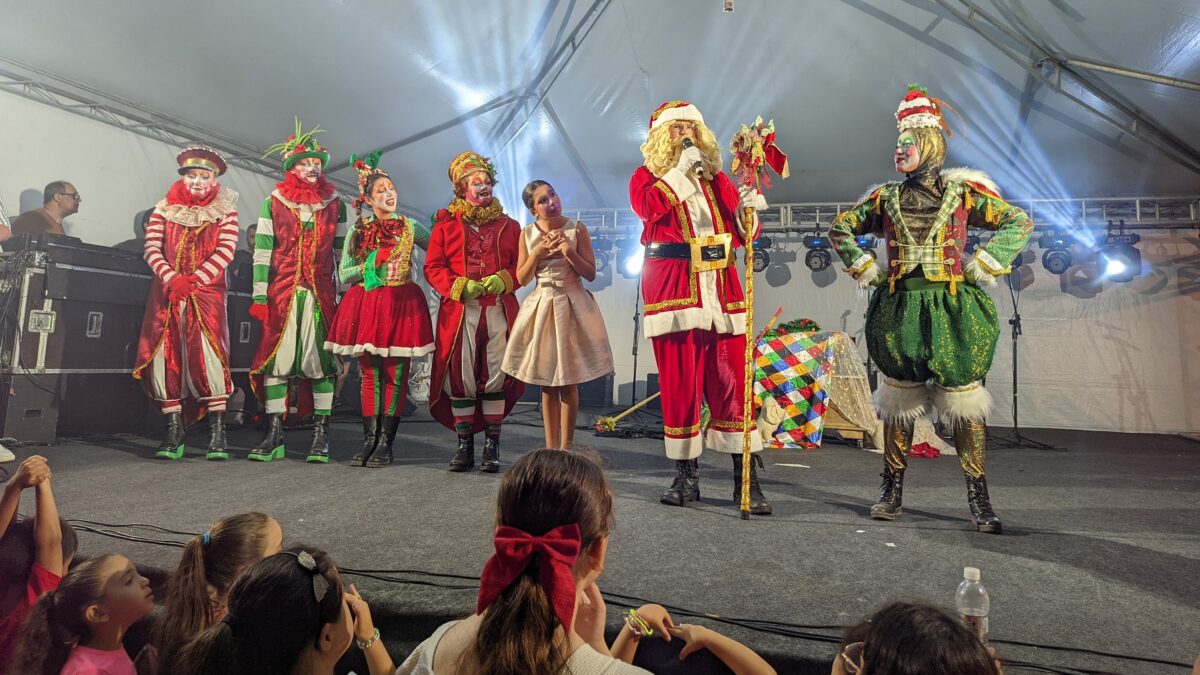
{"x":559,"y":549}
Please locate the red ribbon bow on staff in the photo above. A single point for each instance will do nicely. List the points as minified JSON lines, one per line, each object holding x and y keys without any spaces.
{"x":559,"y":549}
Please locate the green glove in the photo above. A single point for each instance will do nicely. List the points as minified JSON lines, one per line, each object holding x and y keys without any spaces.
{"x":473,"y":289}
{"x":493,"y":284}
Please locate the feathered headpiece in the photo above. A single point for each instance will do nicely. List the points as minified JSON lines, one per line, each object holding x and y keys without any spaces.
{"x":366,"y":167}
{"x":298,"y":146}
{"x":919,"y":109}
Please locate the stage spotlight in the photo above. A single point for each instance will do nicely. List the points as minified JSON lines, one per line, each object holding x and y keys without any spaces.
{"x":1057,"y":259}
{"x":866,"y":242}
{"x":763,"y":243}
{"x":601,"y":262}
{"x":630,"y":260}
{"x":1118,"y":260}
{"x":761,"y":259}
{"x":818,"y":257}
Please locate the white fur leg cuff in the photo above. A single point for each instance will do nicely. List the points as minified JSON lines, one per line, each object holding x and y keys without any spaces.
{"x":955,"y":404}
{"x":901,"y":401}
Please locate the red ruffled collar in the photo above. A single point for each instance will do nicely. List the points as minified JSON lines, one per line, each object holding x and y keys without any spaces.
{"x":371,"y":234}
{"x":298,"y":192}
{"x":179,"y":194}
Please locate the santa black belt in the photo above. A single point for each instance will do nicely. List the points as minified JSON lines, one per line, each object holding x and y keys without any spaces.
{"x":705,"y":253}
{"x":657,"y":249}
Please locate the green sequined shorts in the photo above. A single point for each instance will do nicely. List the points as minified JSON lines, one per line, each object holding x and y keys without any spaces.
{"x":922,"y":332}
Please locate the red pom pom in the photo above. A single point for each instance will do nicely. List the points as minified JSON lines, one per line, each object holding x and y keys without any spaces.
{"x":301,"y":148}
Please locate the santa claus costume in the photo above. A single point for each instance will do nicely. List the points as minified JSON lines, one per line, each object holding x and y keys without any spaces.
{"x":931,"y":329}
{"x":693,"y":302}
{"x":183,"y":350}
{"x":294,"y":294}
{"x":383,"y":319}
{"x":471,"y":263}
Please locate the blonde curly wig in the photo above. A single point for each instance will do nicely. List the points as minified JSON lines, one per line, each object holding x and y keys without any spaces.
{"x":661,"y":153}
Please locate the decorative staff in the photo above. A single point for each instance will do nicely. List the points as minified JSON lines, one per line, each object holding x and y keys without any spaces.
{"x":753,"y":149}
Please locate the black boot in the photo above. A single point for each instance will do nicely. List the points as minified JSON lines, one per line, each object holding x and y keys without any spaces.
{"x":383,"y":451}
{"x":370,"y":438}
{"x":986,"y":519}
{"x":218,"y":449}
{"x":889,"y":495}
{"x":464,"y":459}
{"x":759,"y":505}
{"x":491,"y":453}
{"x":172,"y":444}
{"x":686,"y":486}
{"x":318,"y":452}
{"x":271,"y":446}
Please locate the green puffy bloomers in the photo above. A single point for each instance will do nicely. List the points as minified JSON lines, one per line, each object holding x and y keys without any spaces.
{"x":922,"y":332}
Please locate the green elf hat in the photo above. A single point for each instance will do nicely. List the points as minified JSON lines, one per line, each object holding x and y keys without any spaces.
{"x":298,"y":146}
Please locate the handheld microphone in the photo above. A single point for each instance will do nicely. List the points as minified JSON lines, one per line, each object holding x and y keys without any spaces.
{"x":698,"y":167}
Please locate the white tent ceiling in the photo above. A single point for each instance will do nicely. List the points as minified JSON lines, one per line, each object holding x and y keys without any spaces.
{"x":416,"y":74}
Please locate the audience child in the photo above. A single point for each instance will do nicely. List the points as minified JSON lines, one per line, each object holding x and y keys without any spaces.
{"x":737,"y":657}
{"x":906,"y":638}
{"x":287,"y":614}
{"x":34,"y":554}
{"x":198,"y":592}
{"x":554,"y":514}
{"x":77,"y":628}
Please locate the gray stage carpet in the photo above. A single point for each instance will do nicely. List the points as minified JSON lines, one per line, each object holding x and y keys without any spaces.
{"x":1100,"y":550}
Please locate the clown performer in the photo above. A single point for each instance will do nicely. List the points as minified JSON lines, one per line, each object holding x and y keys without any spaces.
{"x":294,"y":294}
{"x":693,"y":301}
{"x":184,"y":344}
{"x":558,"y":339}
{"x":472,"y":264}
{"x":930,"y":328}
{"x":383,"y":320}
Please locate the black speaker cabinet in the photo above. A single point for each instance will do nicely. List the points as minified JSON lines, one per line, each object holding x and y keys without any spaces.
{"x":652,"y":389}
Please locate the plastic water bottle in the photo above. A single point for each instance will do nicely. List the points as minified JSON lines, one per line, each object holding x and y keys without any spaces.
{"x":971,"y":599}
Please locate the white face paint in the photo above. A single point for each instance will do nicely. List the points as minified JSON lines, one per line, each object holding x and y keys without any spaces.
{"x":479,"y":189}
{"x":382,"y":199}
{"x":307,"y":170}
{"x":199,"y":182}
{"x":908,"y":154}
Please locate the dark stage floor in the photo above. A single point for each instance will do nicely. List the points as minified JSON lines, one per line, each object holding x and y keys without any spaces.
{"x":1101,"y":549}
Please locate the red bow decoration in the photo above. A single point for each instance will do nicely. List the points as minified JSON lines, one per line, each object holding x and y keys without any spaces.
{"x":559,"y":549}
{"x":776,"y":159}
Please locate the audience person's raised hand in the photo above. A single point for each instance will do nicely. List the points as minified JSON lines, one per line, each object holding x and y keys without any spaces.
{"x":590,"y":617}
{"x":364,"y":626}
{"x":32,"y":471}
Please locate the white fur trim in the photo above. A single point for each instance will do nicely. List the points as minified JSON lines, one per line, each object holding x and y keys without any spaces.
{"x":902,"y":401}
{"x":730,"y":442}
{"x":962,"y":174}
{"x":680,"y":184}
{"x":976,"y":274}
{"x":684,"y":448}
{"x":688,"y":112}
{"x":920,"y":102}
{"x":868,"y":275}
{"x":957,"y":404}
{"x":918,"y":120}
{"x":989,"y":263}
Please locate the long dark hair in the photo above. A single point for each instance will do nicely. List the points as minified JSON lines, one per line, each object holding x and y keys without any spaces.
{"x":273,"y":615}
{"x":18,"y":551}
{"x":56,"y":622}
{"x":916,"y":638}
{"x":540,"y":491}
{"x":233,"y":543}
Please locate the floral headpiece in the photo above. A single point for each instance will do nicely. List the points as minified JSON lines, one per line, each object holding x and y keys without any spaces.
{"x":366,"y":167}
{"x":919,"y":109}
{"x":298,"y":146}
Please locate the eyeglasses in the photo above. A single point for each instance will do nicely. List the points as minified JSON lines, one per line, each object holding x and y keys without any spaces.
{"x":72,"y":195}
{"x":852,"y":658}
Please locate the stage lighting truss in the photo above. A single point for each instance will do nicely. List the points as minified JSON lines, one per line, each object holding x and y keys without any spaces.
{"x":818,"y":257}
{"x":1057,"y":258}
{"x":1117,"y":260}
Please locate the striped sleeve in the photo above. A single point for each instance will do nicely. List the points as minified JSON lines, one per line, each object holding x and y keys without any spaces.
{"x":349,"y":269}
{"x":264,"y":246}
{"x":222,"y":255}
{"x":420,"y":234}
{"x":153,"y":249}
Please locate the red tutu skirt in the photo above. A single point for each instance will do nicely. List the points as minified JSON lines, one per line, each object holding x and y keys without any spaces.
{"x":388,"y":321}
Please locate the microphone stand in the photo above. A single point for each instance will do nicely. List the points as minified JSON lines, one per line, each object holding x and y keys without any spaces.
{"x":1016,"y":439}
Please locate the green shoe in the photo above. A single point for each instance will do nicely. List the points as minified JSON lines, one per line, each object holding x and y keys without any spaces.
{"x":269,"y":455}
{"x":271,"y":446}
{"x":216,"y":456}
{"x":317,"y":458}
{"x":168,"y":453}
{"x":172,"y":444}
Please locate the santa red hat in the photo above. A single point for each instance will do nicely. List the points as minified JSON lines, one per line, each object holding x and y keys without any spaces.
{"x":918,"y":109}
{"x":675,"y":110}
{"x":200,"y":157}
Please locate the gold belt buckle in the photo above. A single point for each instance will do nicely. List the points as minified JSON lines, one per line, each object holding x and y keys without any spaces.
{"x":711,"y":252}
